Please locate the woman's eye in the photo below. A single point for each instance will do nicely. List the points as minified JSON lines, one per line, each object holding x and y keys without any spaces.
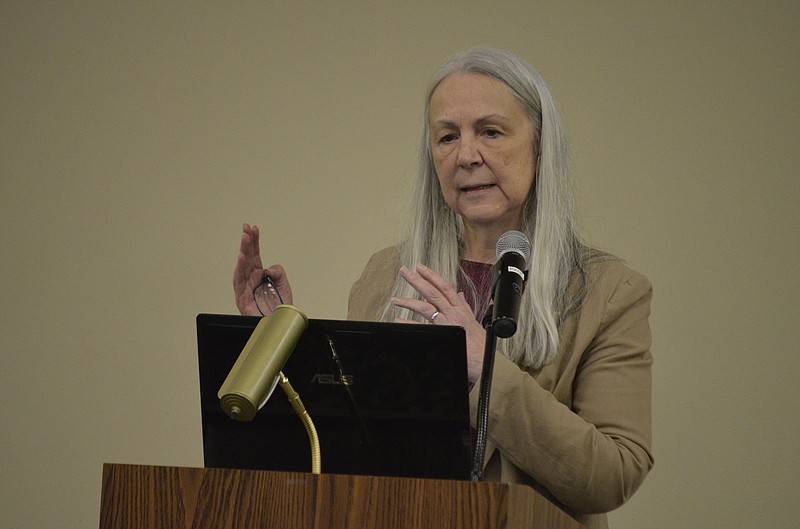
{"x":492,"y":133}
{"x":447,"y":138}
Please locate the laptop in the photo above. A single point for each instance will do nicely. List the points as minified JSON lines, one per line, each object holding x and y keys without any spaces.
{"x":403,"y":413}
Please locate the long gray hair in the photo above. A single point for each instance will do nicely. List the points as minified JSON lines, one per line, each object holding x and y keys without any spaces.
{"x":435,"y":232}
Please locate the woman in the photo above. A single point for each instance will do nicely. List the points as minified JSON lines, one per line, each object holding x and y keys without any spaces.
{"x":570,"y":406}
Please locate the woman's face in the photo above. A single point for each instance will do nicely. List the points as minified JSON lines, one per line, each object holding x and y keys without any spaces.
{"x":482,"y":145}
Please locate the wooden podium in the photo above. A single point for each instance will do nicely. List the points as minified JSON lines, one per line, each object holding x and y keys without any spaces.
{"x":135,"y":496}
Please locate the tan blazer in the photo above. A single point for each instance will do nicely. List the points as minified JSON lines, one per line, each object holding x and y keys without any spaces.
{"x":578,"y":430}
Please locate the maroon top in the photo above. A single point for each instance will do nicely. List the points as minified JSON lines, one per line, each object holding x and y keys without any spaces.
{"x":481,"y":276}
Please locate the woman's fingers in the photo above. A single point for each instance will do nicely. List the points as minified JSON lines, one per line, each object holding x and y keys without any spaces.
{"x":431,"y":286}
{"x":438,"y":283}
{"x":423,"y":308}
{"x":439,"y":298}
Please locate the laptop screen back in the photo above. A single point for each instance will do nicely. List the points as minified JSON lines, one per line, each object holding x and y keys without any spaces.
{"x":403,"y":412}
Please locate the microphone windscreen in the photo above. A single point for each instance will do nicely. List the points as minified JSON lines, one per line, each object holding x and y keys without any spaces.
{"x":513,"y":241}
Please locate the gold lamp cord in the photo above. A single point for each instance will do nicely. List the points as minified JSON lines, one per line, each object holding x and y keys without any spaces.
{"x":300,"y":410}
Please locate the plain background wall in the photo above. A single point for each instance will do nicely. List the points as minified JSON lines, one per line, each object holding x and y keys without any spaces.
{"x":136,"y":137}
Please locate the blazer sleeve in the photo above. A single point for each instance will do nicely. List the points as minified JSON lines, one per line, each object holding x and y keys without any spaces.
{"x":370,"y":293}
{"x":591,"y":453}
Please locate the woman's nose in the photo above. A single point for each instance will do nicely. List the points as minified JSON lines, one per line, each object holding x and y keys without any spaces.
{"x":468,"y":153}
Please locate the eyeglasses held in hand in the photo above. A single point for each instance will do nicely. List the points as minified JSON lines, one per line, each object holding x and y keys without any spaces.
{"x":266,"y":296}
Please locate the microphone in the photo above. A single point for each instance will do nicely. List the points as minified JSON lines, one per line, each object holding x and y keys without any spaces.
{"x":508,"y":282}
{"x":255,"y":374}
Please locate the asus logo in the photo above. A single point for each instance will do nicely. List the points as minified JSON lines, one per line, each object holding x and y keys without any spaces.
{"x":331,"y":379}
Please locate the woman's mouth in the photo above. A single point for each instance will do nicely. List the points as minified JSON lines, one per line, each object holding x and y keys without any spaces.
{"x":468,"y":189}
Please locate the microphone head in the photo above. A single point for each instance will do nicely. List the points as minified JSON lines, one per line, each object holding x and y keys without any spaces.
{"x":513,"y":241}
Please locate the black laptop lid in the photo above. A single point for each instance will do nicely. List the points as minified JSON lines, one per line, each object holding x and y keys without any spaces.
{"x":405,"y":412}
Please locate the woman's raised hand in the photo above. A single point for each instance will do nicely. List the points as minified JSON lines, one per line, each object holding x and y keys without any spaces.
{"x":249,"y":272}
{"x":442,"y":305}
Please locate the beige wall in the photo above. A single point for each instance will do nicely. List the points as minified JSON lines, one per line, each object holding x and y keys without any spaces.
{"x":137,"y":137}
